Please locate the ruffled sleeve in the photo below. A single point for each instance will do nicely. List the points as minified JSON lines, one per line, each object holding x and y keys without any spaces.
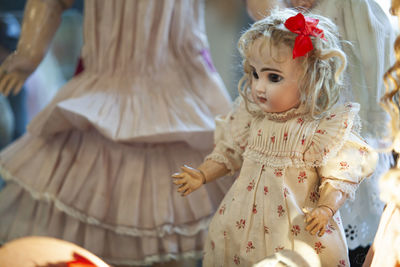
{"x":340,"y":155}
{"x":231,"y":136}
{"x":345,"y":171}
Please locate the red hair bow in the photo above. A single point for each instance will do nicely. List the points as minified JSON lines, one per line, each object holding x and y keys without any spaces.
{"x":304,"y":27}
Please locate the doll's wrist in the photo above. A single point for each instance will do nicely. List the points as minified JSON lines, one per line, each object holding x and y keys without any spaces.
{"x":327,"y":208}
{"x":203,"y":176}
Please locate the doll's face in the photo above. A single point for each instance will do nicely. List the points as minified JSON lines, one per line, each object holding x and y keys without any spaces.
{"x":274,"y":77}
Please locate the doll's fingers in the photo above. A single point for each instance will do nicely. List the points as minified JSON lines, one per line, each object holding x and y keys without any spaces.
{"x":18,"y":87}
{"x":180,"y":181}
{"x":311,"y":225}
{"x":10,"y":85}
{"x":191,"y":171}
{"x":178,"y":175}
{"x":187,"y":192}
{"x":3,"y":84}
{"x":183,"y":188}
{"x":322,"y":231}
{"x":316,"y":229}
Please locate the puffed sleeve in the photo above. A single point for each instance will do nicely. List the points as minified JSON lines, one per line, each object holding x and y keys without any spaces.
{"x":230,"y":137}
{"x":353,"y":162}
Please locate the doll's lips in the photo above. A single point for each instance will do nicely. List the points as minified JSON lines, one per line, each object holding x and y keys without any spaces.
{"x":261,"y":99}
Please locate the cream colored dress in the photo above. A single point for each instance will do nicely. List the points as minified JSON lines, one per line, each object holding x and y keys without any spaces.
{"x":95,"y":166}
{"x":285,"y":159}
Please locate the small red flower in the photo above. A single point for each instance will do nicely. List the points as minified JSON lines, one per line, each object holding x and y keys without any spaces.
{"x":342,"y":263}
{"x":319,"y":247}
{"x":278,"y":172}
{"x":326,"y":151}
{"x":302,"y":176}
{"x":265,"y":190}
{"x":279,"y":248}
{"x":300,"y":121}
{"x":344,"y":165}
{"x":314,"y":197}
{"x":273,"y":139}
{"x":222,"y":209}
{"x":303,"y":140}
{"x":236,"y":259}
{"x":225,"y":233}
{"x":285,"y":136}
{"x":254,"y":208}
{"x":295,"y":230}
{"x":262,"y":168}
{"x":329,"y":229}
{"x":266,"y":230}
{"x":280,"y":211}
{"x":259,"y":132}
{"x":212,"y":245}
{"x":241,"y":224}
{"x":285,"y":192}
{"x":249,"y":247}
{"x":331,"y":117}
{"x":321,"y":131}
{"x":345,"y":124}
{"x":251,"y":185}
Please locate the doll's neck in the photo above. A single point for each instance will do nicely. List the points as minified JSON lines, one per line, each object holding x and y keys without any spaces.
{"x":287,"y":115}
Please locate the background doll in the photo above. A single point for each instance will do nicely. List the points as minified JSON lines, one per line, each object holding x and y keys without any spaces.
{"x":299,"y":157}
{"x":385,"y":251}
{"x":94,"y":167}
{"x":369,"y":35}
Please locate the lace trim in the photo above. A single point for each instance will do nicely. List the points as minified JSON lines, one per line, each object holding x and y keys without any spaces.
{"x":223,"y":160}
{"x":347,"y":188}
{"x":159,"y":231}
{"x":276,"y":161}
{"x":286,"y":115}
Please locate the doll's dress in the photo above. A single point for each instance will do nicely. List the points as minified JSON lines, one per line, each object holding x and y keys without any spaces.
{"x":369,"y":50}
{"x":284,"y":160}
{"x":95,"y":165}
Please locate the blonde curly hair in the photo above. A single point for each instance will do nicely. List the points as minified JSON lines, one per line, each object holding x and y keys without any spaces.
{"x":322,"y":76}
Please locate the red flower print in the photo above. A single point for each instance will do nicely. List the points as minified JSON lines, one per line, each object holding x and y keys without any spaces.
{"x":337,"y":219}
{"x":342,"y":263}
{"x":349,"y":105}
{"x":344,"y":165}
{"x":281,"y":211}
{"x":225,"y":233}
{"x":251,"y":185}
{"x":314,"y":196}
{"x":300,"y":121}
{"x":259,"y":132}
{"x":249,"y":247}
{"x":273,"y":139}
{"x":212,"y":245}
{"x":278,"y":172}
{"x":285,"y":192}
{"x":295,"y":230}
{"x":363,"y":150}
{"x":302,"y":176}
{"x":254,"y":208}
{"x":326,"y":151}
{"x":329,"y":229}
{"x":222,"y":209}
{"x":285,"y":136}
{"x":265,"y":190}
{"x":331,"y":117}
{"x":346,"y":124}
{"x":262,"y":168}
{"x":321,"y":131}
{"x":303,"y":140}
{"x":236,"y":259}
{"x":318,"y":247}
{"x":279,"y":248}
{"x":266,"y":230}
{"x":241,"y":224}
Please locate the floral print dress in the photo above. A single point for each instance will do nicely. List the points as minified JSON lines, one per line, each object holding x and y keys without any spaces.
{"x":284,"y":160}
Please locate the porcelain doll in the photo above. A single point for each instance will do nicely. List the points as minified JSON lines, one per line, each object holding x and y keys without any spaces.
{"x":94,"y":167}
{"x":367,"y":37}
{"x":300,"y":156}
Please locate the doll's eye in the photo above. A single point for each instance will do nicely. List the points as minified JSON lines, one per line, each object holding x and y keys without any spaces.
{"x":274,"y":77}
{"x":255,"y":75}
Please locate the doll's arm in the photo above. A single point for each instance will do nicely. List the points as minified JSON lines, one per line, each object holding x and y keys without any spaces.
{"x":41,"y":20}
{"x":190,"y":179}
{"x":331,"y":199}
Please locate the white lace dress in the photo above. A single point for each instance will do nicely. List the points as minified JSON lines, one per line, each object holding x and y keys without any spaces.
{"x":370,"y":53}
{"x":285,"y":159}
{"x":95,"y":165}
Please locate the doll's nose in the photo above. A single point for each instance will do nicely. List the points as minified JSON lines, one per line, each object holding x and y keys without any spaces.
{"x":260,"y":88}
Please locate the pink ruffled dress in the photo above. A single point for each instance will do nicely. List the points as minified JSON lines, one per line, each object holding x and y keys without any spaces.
{"x":95,"y":166}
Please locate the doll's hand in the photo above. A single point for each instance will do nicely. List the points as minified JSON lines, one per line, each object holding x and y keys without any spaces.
{"x":190,"y":179}
{"x":13,"y":73}
{"x":317,"y":220}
